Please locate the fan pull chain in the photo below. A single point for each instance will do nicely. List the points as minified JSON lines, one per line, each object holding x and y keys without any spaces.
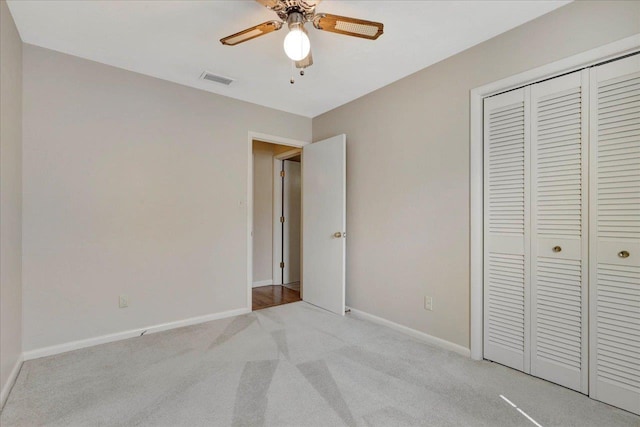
{"x":293,"y":71}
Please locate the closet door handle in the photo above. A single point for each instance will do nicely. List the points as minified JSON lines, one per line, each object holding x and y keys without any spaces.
{"x":557,"y":249}
{"x":623,"y":254}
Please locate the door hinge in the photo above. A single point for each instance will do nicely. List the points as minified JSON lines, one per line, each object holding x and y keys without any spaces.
{"x":281,"y":219}
{"x":282,"y":174}
{"x":282,"y":265}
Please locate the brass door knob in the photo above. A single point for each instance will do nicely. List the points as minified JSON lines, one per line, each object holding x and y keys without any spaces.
{"x":623,"y":254}
{"x":557,"y":249}
{"x":337,"y":234}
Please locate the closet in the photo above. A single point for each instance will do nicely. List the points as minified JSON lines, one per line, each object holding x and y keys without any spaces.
{"x":562,"y":231}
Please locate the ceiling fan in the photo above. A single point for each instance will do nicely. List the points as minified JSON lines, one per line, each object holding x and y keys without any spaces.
{"x":296,"y":13}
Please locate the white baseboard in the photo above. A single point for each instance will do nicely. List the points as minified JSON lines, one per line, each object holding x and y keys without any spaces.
{"x":262,"y":283}
{"x":75,"y":345}
{"x":6,"y":387}
{"x":430,"y":339}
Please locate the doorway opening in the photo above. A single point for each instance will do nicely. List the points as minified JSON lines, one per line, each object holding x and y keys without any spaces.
{"x":276,"y":231}
{"x":323,"y":219}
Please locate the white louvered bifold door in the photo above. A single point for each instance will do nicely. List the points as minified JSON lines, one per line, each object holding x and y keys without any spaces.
{"x":559,"y":244}
{"x":506,"y":229}
{"x":615,"y":234}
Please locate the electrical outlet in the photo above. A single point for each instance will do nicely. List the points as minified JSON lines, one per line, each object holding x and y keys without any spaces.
{"x":123,"y":301}
{"x":428,"y":303}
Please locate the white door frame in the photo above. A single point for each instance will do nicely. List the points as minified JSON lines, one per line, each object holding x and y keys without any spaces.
{"x":573,"y":63}
{"x":277,"y":204}
{"x":257,"y":136}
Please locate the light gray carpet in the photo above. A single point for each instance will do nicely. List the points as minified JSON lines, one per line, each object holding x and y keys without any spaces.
{"x":292,"y":365}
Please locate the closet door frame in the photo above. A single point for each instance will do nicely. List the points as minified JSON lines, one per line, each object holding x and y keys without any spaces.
{"x":595,"y":56}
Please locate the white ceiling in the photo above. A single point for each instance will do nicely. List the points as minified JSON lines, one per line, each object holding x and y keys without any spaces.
{"x":178,"y":40}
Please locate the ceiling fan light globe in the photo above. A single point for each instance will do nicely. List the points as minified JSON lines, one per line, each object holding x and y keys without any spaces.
{"x":297,"y":44}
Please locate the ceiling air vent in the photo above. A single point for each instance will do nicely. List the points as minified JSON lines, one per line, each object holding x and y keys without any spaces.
{"x":216,"y":78}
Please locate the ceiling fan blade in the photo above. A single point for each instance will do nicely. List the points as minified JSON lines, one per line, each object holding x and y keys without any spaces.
{"x":251,"y":33}
{"x":306,"y":62}
{"x":348,"y":26}
{"x":268,"y":3}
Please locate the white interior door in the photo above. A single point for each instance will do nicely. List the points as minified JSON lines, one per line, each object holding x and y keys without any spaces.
{"x":291,"y":203}
{"x":614,"y":313}
{"x":559,"y":271}
{"x":324,"y":203}
{"x":506,"y":229}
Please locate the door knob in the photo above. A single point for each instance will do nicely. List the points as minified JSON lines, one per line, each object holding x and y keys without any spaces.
{"x":557,"y":249}
{"x":623,"y":254}
{"x":337,"y":234}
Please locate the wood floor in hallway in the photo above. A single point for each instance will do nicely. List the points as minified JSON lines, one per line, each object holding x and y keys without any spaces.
{"x":272,"y":295}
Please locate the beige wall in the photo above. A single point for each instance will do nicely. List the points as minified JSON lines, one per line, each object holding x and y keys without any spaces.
{"x":262,"y":212}
{"x":10,"y":198}
{"x":136,"y":186}
{"x":408,"y":167}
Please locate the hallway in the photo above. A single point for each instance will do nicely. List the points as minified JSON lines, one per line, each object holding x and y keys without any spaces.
{"x":273,"y":295}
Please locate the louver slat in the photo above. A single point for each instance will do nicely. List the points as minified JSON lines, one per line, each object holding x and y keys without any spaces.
{"x":567,"y":222}
{"x":506,"y":169}
{"x":618,"y":150}
{"x":617,"y":305}
{"x":509,"y":306}
{"x":565,"y":294}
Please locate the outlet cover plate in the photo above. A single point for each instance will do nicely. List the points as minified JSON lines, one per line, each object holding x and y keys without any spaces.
{"x":123,"y":301}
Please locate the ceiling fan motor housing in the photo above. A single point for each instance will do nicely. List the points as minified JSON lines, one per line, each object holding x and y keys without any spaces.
{"x":284,"y":8}
{"x":295,"y":19}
